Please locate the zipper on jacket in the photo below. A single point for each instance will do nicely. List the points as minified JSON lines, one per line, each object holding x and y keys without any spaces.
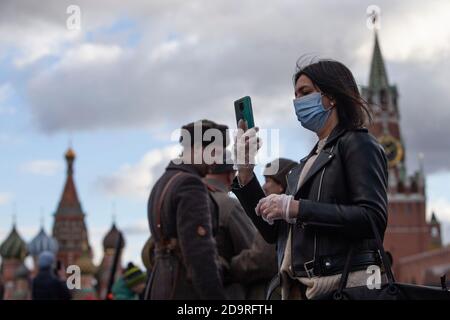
{"x":308,"y":272}
{"x":321,"y":177}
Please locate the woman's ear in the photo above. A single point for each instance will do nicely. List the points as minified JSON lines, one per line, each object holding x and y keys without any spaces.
{"x":326,"y":101}
{"x":330,"y":102}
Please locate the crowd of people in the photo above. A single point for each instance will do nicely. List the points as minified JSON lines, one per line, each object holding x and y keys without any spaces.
{"x":207,"y":229}
{"x":47,"y":284}
{"x":291,"y":238}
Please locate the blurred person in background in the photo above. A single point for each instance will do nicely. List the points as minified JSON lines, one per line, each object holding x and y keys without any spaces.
{"x":22,"y":284}
{"x":130,"y":285}
{"x":236,"y":231}
{"x":46,"y":285}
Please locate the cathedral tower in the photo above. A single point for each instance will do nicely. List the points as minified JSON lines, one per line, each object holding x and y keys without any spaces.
{"x":69,"y":228}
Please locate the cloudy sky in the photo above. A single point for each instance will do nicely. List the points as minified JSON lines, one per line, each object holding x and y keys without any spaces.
{"x":119,"y":86}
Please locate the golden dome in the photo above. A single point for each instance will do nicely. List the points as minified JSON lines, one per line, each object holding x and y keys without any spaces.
{"x":70,"y":154}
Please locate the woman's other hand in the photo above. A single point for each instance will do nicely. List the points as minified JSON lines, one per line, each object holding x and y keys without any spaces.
{"x":277,"y":207}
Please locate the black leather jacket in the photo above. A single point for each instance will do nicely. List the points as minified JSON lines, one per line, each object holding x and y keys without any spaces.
{"x":346,"y":184}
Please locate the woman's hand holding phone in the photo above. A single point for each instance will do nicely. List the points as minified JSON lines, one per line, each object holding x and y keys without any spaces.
{"x":246,"y":145}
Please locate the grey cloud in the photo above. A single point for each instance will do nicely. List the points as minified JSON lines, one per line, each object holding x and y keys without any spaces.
{"x":239,"y":51}
{"x":135,"y":181}
{"x":424,"y":95}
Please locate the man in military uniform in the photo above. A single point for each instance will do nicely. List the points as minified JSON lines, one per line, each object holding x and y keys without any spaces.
{"x":257,"y":265}
{"x":236,"y":231}
{"x":182,"y":222}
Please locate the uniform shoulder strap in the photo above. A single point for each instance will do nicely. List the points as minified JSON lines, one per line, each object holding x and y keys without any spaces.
{"x":160,"y":204}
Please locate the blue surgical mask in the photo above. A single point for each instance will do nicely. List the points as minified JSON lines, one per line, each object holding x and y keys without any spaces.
{"x":310,"y":111}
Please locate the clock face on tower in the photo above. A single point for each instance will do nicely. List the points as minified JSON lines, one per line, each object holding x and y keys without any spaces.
{"x":393,"y":149}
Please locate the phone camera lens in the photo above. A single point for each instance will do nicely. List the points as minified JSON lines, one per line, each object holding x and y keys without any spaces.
{"x":241,"y":106}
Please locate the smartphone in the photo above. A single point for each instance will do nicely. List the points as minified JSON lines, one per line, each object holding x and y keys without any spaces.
{"x":243,"y":110}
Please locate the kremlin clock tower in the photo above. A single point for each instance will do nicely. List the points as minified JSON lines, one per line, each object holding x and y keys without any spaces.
{"x":408,"y":233}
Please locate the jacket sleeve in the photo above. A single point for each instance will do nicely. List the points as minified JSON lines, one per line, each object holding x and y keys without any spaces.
{"x":365,"y":168}
{"x":240,"y":228}
{"x":197,"y":244}
{"x":249,"y":196}
{"x":258,"y":263}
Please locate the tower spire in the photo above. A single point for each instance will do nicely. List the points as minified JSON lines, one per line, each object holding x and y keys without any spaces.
{"x":14,"y":215}
{"x":113,"y":213}
{"x":70,"y":158}
{"x":69,"y":202}
{"x":378,"y":76}
{"x":42,"y":218}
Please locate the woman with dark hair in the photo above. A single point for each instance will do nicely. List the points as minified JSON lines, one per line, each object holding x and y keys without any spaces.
{"x":333,"y":194}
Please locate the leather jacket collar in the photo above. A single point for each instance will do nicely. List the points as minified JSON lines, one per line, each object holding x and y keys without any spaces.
{"x":323,"y":158}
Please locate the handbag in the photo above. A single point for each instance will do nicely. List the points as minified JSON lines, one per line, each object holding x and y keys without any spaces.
{"x":391,"y":290}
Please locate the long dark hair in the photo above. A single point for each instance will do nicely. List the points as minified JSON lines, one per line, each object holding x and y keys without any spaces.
{"x":336,"y":81}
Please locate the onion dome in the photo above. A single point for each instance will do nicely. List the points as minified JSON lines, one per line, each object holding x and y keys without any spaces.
{"x":42,"y":242}
{"x":13,"y":247}
{"x":111,"y":238}
{"x":85,"y":263}
{"x":22,"y":272}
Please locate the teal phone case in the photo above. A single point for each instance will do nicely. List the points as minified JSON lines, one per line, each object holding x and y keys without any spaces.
{"x":243,"y":110}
